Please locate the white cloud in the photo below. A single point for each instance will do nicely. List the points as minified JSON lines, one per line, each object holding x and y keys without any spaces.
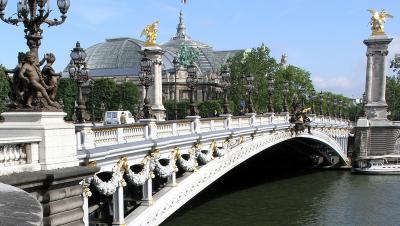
{"x":351,"y":86}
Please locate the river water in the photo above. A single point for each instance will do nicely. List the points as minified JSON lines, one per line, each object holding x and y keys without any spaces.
{"x":254,"y":194}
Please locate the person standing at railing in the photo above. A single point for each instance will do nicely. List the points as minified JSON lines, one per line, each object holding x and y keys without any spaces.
{"x":122,"y":119}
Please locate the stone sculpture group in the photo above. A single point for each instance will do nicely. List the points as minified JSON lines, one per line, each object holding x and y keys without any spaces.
{"x":33,"y":89}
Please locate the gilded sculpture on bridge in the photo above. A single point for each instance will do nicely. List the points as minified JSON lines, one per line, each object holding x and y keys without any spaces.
{"x":150,"y":31}
{"x":378,"y":20}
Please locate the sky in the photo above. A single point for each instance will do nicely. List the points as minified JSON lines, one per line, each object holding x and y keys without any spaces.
{"x":322,"y":37}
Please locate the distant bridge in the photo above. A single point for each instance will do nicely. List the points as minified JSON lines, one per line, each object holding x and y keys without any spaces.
{"x":139,"y":154}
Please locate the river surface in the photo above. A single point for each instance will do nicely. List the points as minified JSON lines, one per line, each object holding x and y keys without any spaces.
{"x":256,"y":195}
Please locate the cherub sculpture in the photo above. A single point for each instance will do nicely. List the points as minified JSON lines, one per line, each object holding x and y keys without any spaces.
{"x":378,"y":20}
{"x":150,"y":31}
{"x":50,"y":77}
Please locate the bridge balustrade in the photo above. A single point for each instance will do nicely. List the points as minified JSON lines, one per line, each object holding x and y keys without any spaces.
{"x":92,"y":137}
{"x":18,"y":154}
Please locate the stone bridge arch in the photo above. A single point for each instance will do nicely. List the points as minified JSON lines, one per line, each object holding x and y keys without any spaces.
{"x":171,"y":199}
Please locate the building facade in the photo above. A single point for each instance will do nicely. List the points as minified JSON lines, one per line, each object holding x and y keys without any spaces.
{"x":119,"y":59}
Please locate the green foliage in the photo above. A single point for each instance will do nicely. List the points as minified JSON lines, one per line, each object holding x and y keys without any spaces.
{"x":183,"y":109}
{"x":67,"y":92}
{"x":169,"y":109}
{"x":261,"y":65}
{"x":208,"y":108}
{"x":258,"y":63}
{"x":129,"y":96}
{"x":4,"y":89}
{"x":392,"y":97}
{"x":113,"y":96}
{"x":297,"y":78}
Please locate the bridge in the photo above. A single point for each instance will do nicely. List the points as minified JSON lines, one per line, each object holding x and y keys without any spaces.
{"x":183,"y":157}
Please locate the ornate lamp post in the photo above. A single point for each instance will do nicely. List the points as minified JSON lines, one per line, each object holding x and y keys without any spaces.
{"x":79,"y":73}
{"x":335,"y":105}
{"x":312,"y":97}
{"x":191,"y":81}
{"x":270,"y":92}
{"x":145,"y":81}
{"x":91,"y":84}
{"x":226,"y":76}
{"x":321,"y":102}
{"x":328,"y":106}
{"x":33,"y":13}
{"x":302,"y":94}
{"x":102,"y":110}
{"x":176,"y":68}
{"x":363,"y":103}
{"x":250,"y":87}
{"x":285,"y":95}
{"x":340,"y":108}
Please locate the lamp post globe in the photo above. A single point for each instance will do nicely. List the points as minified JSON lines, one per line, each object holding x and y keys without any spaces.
{"x":32,"y":14}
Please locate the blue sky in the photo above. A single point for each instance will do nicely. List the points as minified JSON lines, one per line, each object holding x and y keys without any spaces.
{"x":323,"y":37}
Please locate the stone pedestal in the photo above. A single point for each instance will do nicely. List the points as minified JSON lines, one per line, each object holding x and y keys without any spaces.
{"x":57,"y":148}
{"x":155,"y":91}
{"x":375,"y":86}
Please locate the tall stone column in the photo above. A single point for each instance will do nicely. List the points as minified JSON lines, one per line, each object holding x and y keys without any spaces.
{"x":155,"y":91}
{"x":375,"y":87}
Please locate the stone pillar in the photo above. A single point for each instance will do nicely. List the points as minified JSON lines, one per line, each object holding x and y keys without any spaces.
{"x":147,"y":199}
{"x":227,"y":121}
{"x":172,"y":179}
{"x":118,"y":206}
{"x":86,"y":194}
{"x":375,"y":87}
{"x":196,"y":124}
{"x":150,"y":129}
{"x":155,"y":91}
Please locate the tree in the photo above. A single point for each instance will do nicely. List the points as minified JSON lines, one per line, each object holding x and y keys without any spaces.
{"x":257,"y":63}
{"x":67,"y":92}
{"x":392,"y":97}
{"x":4,"y":89}
{"x":105,"y":91}
{"x":297,"y":78}
{"x":261,"y":65}
{"x":129,"y":96}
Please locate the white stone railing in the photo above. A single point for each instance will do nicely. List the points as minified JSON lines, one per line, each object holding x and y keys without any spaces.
{"x":18,"y":154}
{"x":134,"y":133}
{"x":92,"y":137}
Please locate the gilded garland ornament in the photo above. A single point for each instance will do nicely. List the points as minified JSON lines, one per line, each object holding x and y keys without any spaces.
{"x":189,"y":165}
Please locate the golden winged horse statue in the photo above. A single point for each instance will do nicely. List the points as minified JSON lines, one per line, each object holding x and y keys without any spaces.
{"x":378,"y":20}
{"x":150,"y":31}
